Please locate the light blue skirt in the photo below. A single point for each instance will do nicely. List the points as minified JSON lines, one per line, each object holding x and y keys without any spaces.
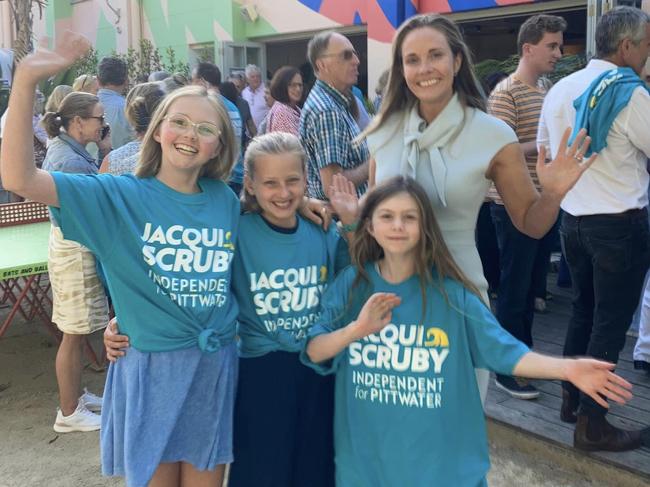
{"x":166,"y":407}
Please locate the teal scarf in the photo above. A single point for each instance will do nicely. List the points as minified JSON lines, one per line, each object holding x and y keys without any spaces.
{"x":600,"y":104}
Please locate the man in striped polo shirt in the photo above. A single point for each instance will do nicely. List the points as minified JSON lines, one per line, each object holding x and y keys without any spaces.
{"x":517,"y":100}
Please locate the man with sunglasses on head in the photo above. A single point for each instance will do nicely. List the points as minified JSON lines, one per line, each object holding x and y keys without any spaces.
{"x":328,"y":123}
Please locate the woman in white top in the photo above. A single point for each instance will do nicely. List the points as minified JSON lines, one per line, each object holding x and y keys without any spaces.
{"x":432,"y":126}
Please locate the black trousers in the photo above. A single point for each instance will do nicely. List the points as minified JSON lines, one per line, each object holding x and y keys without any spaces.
{"x":608,"y":256}
{"x":524,"y":263}
{"x":283,"y":427}
{"x":488,"y":247}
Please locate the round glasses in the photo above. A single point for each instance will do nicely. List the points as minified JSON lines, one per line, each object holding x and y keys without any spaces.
{"x":182,"y":124}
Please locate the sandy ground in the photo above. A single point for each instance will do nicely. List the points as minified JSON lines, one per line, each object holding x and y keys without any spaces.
{"x":32,"y":454}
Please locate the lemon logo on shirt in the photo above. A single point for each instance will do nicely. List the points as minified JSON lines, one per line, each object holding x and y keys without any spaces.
{"x":436,"y":337}
{"x":323,"y":273}
{"x":228,"y":244}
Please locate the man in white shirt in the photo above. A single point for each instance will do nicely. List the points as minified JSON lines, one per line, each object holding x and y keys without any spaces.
{"x":604,"y":230}
{"x":254,"y":94}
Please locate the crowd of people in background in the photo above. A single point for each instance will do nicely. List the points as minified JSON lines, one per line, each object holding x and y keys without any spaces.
{"x":451,"y":193}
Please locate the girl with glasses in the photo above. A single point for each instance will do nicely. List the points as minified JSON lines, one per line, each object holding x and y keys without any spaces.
{"x":165,"y":237}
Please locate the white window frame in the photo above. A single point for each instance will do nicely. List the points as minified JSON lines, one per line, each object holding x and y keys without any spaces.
{"x":226,"y":62}
{"x":193,"y":49}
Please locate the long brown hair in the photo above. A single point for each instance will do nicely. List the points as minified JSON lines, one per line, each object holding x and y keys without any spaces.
{"x":431,"y":251}
{"x":397,"y":94}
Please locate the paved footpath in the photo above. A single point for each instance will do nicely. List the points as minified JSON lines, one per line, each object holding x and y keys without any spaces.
{"x":33,"y":455}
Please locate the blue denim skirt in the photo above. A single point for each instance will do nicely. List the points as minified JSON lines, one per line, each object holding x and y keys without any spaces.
{"x":165,"y":407}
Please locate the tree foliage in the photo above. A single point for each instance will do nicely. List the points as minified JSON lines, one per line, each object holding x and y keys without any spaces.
{"x":564,"y":67}
{"x":22,"y":11}
{"x":140,"y":63}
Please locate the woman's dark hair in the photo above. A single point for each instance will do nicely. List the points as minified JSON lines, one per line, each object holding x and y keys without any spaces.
{"x":75,"y":104}
{"x":280,"y":83}
{"x":229,"y":90}
{"x":141,"y":102}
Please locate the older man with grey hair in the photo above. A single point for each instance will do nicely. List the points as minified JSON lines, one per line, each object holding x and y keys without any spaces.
{"x":254,"y":94}
{"x":328,"y":125}
{"x":604,"y":230}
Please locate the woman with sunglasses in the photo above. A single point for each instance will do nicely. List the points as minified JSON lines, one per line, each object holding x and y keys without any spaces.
{"x":79,"y":303}
{"x":286,"y":90}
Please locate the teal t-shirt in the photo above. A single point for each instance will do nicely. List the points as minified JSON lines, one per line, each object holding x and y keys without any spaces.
{"x":278,"y":279}
{"x":407,"y":405}
{"x":167,"y":255}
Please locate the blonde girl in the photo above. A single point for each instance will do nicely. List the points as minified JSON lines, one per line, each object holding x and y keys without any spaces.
{"x":165,"y":238}
{"x":283,"y":411}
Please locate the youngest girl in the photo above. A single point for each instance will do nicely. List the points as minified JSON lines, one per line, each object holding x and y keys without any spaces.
{"x":405,"y":330}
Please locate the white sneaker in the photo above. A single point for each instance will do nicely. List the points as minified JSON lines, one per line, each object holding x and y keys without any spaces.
{"x":92,"y":401}
{"x":80,"y":420}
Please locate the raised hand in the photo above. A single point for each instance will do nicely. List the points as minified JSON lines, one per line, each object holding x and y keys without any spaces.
{"x":375,"y":314}
{"x":561,"y":174}
{"x":44,"y":62}
{"x":344,"y":199}
{"x":596,"y":379}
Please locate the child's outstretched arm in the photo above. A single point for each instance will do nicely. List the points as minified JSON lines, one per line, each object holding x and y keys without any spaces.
{"x":592,"y":377}
{"x":375,"y":314}
{"x":19,"y":174}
